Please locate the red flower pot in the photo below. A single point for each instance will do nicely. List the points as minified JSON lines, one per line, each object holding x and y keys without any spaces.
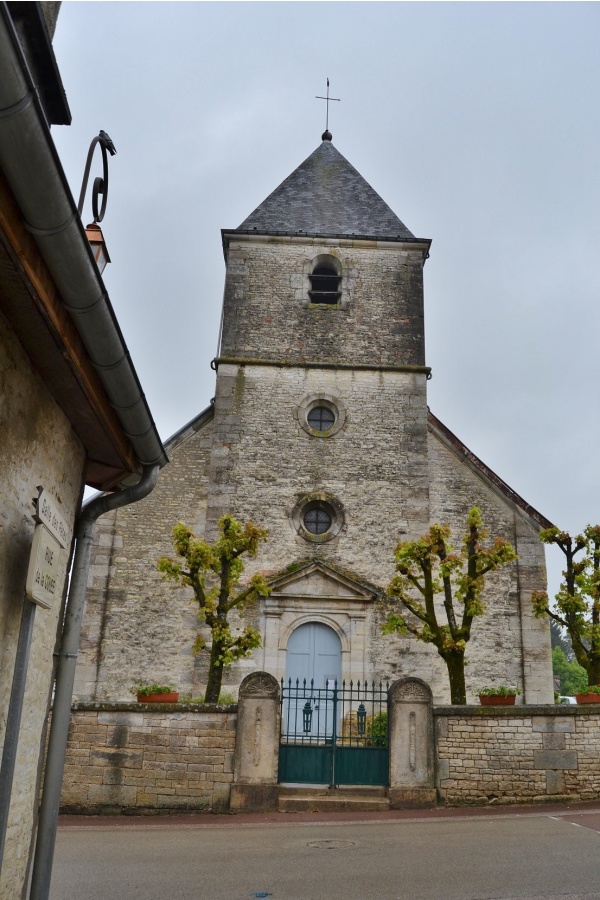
{"x":168,"y":697}
{"x":587,"y":698}
{"x":497,"y":699}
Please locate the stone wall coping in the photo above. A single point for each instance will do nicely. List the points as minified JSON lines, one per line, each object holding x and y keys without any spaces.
{"x":158,"y":708}
{"x":517,"y":712}
{"x":506,"y":712}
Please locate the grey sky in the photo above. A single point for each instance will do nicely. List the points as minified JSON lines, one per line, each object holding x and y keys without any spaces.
{"x":477,"y":123}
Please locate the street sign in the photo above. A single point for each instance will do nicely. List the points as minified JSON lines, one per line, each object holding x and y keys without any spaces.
{"x":47,"y":513}
{"x":44,"y":568}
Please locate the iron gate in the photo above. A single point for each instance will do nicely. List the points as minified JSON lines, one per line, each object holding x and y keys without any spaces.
{"x":335,"y":735}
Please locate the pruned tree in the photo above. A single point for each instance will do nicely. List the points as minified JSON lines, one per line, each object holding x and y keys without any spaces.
{"x":577,"y":603}
{"x":213,"y":571}
{"x":428,"y":568}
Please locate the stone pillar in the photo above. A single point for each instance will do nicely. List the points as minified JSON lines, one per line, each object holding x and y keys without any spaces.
{"x":411,"y":744}
{"x":255,"y":787}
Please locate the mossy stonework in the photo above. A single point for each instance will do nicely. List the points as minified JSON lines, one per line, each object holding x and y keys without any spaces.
{"x":384,"y":471}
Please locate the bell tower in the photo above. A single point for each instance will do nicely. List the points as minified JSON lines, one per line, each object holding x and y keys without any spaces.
{"x":320,"y":428}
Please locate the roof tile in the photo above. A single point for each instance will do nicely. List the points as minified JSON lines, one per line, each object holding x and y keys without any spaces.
{"x":326,"y":195}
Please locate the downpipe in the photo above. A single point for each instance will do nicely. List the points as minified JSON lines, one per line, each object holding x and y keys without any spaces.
{"x":65,"y":676}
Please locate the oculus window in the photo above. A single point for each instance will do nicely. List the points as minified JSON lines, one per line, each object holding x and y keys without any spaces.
{"x":321,"y":418}
{"x":321,"y":415}
{"x":318,"y":517}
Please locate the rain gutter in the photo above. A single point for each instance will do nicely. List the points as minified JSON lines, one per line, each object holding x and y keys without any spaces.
{"x":30,"y":163}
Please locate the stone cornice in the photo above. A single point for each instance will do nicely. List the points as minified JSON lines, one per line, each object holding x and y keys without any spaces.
{"x":303,"y":364}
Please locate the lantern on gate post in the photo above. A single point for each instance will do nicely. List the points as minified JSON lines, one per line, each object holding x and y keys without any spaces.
{"x":361,"y":720}
{"x":307,"y":717}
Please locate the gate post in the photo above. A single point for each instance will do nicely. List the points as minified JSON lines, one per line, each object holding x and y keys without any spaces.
{"x":255,"y":787}
{"x":410,"y":715}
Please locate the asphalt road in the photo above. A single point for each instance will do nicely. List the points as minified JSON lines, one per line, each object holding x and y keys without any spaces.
{"x":525,"y":855}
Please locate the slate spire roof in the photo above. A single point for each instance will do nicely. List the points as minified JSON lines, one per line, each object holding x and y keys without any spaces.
{"x":325,"y":195}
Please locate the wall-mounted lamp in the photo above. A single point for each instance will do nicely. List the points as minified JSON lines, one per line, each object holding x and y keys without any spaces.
{"x":100,"y":189}
{"x":94,"y":235}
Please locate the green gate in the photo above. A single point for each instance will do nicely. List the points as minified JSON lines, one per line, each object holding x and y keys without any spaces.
{"x":336,"y":735}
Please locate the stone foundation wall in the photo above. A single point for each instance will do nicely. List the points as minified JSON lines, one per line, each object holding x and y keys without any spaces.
{"x":517,"y":754}
{"x":149,"y":758}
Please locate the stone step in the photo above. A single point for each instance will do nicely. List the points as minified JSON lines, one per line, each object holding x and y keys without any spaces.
{"x":323,"y":790}
{"x":324,"y":799}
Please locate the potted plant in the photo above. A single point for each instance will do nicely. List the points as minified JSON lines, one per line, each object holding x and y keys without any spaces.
{"x":591,"y":695}
{"x":154,"y":693}
{"x":500,"y":695}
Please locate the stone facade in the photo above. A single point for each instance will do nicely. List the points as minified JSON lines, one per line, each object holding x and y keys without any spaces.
{"x":138,"y":626}
{"x":37,"y":446}
{"x":517,"y":755}
{"x":149,"y":758}
{"x":385,"y":470}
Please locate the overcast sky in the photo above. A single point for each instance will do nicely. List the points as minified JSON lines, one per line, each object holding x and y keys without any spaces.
{"x":478,"y":123}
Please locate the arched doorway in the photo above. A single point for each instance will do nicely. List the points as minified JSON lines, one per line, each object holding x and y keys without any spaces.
{"x":314,"y":653}
{"x":327,"y":726}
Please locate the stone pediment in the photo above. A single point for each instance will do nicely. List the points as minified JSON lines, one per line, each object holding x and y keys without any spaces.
{"x":321,"y":581}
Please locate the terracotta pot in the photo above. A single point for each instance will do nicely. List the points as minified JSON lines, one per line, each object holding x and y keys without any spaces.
{"x":170,"y":697}
{"x":497,"y":699}
{"x":587,"y":698}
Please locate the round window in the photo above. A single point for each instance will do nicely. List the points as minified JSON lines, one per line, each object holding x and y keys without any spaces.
{"x":317,"y":519}
{"x":321,"y":418}
{"x":321,"y":415}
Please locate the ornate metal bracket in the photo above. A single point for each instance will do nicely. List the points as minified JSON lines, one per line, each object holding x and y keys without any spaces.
{"x":100,"y":187}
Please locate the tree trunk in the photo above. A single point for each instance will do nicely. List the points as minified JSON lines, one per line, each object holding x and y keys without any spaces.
{"x":215,"y":675}
{"x":593,"y":669}
{"x":456,"y":673}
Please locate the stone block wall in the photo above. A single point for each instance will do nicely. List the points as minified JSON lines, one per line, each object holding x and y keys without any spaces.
{"x":37,"y":447}
{"x":149,"y":758}
{"x":517,"y":754}
{"x":267,"y":315}
{"x":136,"y":625}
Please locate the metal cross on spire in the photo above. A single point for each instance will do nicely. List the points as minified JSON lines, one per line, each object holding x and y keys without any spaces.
{"x":326,"y":136}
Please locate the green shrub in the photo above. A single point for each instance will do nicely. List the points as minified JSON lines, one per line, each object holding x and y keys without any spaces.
{"x":573,"y":677}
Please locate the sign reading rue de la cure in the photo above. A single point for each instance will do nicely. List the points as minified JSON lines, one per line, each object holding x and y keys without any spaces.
{"x":44,"y":568}
{"x":50,"y":535}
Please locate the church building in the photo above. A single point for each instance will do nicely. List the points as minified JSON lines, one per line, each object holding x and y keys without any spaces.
{"x":319,"y":431}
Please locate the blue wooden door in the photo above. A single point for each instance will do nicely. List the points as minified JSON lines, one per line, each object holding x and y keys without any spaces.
{"x":314,"y":652}
{"x":314,"y":664}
